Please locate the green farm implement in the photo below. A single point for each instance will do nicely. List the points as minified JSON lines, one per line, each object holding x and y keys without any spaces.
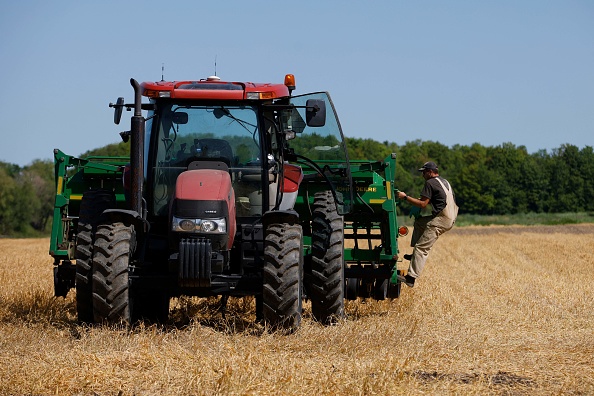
{"x":230,"y":189}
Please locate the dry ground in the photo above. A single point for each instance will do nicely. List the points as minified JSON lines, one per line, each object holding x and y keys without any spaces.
{"x":499,"y":310}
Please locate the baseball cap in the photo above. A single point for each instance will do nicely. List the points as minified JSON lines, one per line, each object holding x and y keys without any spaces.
{"x":428,"y":165}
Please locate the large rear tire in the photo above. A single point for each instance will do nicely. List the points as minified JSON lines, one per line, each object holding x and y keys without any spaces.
{"x":326,"y":278}
{"x":283,"y":276}
{"x":93,"y":203}
{"x":114,"y":245}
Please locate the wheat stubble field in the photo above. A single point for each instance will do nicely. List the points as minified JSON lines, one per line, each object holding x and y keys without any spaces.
{"x":499,"y":310}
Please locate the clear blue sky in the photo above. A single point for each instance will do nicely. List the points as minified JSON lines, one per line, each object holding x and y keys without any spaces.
{"x":456,"y":72}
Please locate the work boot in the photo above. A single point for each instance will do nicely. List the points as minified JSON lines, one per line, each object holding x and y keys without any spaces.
{"x":407,"y":280}
{"x":407,"y":256}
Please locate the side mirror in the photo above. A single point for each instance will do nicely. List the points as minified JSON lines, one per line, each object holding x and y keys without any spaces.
{"x":119,"y":107}
{"x":315,"y":113}
{"x":179,"y":118}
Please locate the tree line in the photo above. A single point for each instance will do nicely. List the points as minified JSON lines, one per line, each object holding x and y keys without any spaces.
{"x":503,"y":179}
{"x":26,"y":198}
{"x":495,"y":180}
{"x":27,"y":193}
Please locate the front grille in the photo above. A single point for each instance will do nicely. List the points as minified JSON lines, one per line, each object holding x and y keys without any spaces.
{"x":195,"y":257}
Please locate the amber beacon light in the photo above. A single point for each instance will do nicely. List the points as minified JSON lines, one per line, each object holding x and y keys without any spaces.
{"x":290,"y":82}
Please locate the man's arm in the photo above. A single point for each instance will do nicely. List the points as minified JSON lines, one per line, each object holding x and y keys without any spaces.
{"x":419,"y":202}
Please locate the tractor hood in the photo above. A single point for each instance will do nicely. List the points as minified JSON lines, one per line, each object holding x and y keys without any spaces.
{"x":204,"y":206}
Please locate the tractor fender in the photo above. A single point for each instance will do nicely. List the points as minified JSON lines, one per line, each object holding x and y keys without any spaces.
{"x":289,"y":216}
{"x":131,"y":217}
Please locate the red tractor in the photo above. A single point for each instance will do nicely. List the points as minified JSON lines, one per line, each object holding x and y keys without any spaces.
{"x":209,"y":203}
{"x":232,"y":189}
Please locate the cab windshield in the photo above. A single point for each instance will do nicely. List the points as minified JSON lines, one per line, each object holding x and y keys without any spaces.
{"x":185,"y":133}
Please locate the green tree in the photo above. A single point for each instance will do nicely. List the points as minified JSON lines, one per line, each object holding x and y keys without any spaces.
{"x":7,"y":210}
{"x":41,"y":176}
{"x":366,"y":149}
{"x":120,"y":149}
{"x":586,"y":171}
{"x":504,"y":163}
{"x":566,"y":184}
{"x":535,"y":181}
{"x":472,"y":180}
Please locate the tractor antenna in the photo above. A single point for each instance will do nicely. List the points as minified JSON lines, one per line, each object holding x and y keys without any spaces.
{"x":215,"y":65}
{"x":162,"y":71}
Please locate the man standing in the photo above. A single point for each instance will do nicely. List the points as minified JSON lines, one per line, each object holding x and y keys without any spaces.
{"x":437,"y":192}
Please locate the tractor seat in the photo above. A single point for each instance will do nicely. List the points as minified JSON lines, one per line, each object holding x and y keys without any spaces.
{"x":211,"y":152}
{"x":215,"y":148}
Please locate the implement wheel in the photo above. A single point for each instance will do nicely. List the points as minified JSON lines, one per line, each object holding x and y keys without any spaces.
{"x":93,"y":203}
{"x":114,"y":244}
{"x":352,"y":289}
{"x":395,"y":288}
{"x":326,"y":278}
{"x":380,"y":289}
{"x":283,"y":276}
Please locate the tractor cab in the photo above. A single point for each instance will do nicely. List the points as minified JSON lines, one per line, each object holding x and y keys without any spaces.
{"x":258,"y":133}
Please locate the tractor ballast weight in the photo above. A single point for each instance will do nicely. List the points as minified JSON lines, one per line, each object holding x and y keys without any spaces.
{"x":230,"y":189}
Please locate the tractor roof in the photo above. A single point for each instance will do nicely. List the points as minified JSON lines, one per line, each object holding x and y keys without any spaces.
{"x":214,"y":88}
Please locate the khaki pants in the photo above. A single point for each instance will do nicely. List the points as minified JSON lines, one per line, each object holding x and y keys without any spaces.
{"x":426,"y":231}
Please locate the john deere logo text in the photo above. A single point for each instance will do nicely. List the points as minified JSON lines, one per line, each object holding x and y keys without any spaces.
{"x":358,"y":189}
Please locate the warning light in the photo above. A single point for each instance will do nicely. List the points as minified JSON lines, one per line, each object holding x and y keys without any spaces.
{"x":290,"y":82}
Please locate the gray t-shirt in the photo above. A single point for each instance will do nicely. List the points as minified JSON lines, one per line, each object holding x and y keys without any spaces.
{"x":436,"y":194}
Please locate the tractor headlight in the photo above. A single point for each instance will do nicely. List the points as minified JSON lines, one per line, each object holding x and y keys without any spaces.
{"x":187,"y":225}
{"x":209,"y":226}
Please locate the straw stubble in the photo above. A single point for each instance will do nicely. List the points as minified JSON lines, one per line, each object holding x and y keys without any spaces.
{"x":498,"y":310}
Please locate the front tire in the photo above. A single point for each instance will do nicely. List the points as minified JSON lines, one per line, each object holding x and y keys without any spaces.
{"x":326,"y":278}
{"x":283,"y":276}
{"x":114,"y":244}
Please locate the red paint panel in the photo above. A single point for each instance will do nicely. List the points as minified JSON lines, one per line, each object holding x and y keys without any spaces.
{"x":269,"y":91}
{"x":206,"y":94}
{"x":203,"y":185}
{"x":293,"y":178}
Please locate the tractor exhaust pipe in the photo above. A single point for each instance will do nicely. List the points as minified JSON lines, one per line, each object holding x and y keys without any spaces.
{"x":137,"y":151}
